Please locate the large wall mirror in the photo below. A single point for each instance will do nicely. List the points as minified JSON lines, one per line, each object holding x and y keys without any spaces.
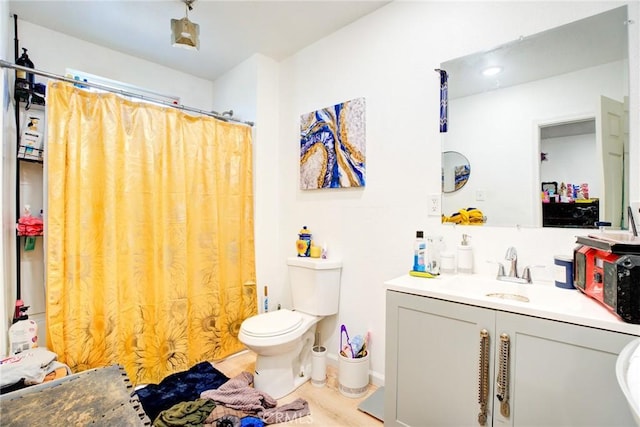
{"x":555,"y":109}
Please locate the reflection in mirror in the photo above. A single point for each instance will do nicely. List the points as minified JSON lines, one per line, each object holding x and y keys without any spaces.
{"x":551,"y":85}
{"x":456,"y":171}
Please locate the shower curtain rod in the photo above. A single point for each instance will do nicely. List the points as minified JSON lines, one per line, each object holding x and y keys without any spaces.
{"x":6,"y":64}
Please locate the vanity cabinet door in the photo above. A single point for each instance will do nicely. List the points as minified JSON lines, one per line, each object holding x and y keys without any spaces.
{"x":562,"y":374}
{"x":432,"y":361}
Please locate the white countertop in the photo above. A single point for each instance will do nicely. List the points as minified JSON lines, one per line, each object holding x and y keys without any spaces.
{"x":545,"y":300}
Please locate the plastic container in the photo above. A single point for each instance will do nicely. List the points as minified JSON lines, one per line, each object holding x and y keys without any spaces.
{"x":434,"y":243}
{"x":447,"y":263}
{"x":353,"y":375}
{"x":563,"y":271}
{"x":465,"y":256}
{"x":419,"y":252}
{"x":23,"y":335}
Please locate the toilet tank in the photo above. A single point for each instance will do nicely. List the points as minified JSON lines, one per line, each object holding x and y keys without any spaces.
{"x":315,"y":285}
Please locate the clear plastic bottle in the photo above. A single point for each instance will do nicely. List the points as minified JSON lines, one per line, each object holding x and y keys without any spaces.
{"x":419,"y":252}
{"x":433,"y":255}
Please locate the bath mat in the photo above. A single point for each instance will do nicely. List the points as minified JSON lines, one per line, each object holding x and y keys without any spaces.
{"x":374,"y":404}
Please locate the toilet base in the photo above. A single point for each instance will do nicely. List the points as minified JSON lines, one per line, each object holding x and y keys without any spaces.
{"x":282,"y":374}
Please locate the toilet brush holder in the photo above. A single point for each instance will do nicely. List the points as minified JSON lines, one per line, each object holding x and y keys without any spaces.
{"x":318,"y":365}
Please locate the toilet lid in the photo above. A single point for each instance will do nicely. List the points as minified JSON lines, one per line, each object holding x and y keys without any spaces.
{"x":273,"y":323}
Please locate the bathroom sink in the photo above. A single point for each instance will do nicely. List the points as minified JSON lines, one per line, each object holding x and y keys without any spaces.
{"x":514,"y":297}
{"x":487,"y":288}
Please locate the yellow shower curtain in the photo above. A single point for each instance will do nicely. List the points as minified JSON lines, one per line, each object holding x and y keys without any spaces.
{"x":150,"y":247}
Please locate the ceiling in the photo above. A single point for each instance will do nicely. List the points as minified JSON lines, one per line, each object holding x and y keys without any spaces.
{"x":230,"y":31}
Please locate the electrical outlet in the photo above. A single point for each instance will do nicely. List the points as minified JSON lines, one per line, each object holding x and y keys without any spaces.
{"x":434,"y":208}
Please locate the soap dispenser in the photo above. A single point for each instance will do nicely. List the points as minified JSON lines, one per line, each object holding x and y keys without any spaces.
{"x":465,"y":256}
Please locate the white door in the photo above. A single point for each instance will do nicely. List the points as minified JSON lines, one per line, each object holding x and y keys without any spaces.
{"x":610,"y":132}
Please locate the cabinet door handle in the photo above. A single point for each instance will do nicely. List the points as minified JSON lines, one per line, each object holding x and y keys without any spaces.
{"x":503,"y":376}
{"x":483,"y":383}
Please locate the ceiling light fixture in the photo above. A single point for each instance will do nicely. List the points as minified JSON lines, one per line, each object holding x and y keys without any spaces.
{"x":491,"y":71}
{"x":185,"y":33}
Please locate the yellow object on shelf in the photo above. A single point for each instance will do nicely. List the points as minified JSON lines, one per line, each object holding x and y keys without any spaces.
{"x":315,"y":251}
{"x":421,"y":274}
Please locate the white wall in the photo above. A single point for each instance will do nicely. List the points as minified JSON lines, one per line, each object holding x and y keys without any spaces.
{"x":571,"y":159}
{"x":251,"y":91}
{"x":388,"y":57}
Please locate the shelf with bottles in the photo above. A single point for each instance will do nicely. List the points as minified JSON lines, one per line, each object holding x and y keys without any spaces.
{"x":31,"y":142}
{"x":31,"y":155}
{"x":32,"y":94}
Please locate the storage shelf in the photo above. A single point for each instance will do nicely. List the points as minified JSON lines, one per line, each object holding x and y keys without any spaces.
{"x":25,"y":90}
{"x":39,"y":160}
{"x":30,"y":102}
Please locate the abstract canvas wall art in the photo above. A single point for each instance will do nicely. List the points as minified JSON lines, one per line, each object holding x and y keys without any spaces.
{"x":332,"y":146}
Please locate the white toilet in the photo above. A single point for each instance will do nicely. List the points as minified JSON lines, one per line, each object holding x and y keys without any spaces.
{"x":282,"y":339}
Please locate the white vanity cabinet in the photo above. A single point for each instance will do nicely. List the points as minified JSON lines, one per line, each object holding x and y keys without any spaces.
{"x":559,"y":374}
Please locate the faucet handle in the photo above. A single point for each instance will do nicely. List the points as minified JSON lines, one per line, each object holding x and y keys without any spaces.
{"x":526,"y":274}
{"x":501,"y":272}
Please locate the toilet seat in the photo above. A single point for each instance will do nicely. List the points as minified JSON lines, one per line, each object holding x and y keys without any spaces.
{"x":272,"y":324}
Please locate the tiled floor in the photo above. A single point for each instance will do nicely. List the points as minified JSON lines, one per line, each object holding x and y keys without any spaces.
{"x":327,"y":405}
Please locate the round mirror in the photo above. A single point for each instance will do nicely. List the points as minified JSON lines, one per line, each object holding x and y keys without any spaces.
{"x":455,"y":171}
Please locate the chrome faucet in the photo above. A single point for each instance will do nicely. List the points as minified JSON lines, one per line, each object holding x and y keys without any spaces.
{"x":512,"y":256}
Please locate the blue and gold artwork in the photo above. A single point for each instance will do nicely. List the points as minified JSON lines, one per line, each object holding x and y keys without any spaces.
{"x":332,"y":146}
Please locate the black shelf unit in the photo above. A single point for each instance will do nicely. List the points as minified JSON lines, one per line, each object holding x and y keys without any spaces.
{"x":27,"y":96}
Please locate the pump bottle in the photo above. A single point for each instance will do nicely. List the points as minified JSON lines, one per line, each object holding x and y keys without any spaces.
{"x":27,"y":78}
{"x":465,"y":256}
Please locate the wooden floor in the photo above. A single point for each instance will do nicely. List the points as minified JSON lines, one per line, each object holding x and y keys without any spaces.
{"x":327,"y":405}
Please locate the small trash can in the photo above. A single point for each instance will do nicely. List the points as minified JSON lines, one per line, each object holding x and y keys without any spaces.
{"x":353,"y":375}
{"x":319,"y":366}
